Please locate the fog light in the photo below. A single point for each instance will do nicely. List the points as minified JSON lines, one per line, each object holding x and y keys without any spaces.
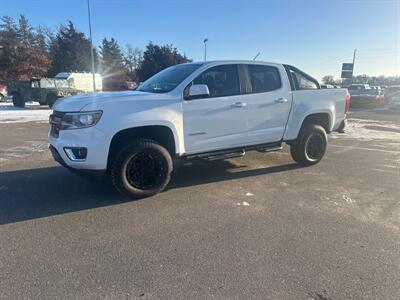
{"x":76,"y":153}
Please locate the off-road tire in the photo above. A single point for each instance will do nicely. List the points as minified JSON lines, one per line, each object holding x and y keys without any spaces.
{"x":132,"y":157}
{"x":18,"y":101}
{"x":51,"y":99}
{"x":310,"y":146}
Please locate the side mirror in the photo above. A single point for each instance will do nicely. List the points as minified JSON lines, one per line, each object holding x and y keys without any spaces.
{"x":198,"y":91}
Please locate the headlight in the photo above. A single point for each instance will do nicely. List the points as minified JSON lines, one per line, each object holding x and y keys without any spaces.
{"x":80,"y":120}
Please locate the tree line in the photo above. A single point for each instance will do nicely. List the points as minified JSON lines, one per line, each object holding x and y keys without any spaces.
{"x":363,"y":79}
{"x":27,"y":51}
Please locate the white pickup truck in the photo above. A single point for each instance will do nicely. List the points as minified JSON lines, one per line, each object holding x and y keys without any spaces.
{"x":208,"y":110}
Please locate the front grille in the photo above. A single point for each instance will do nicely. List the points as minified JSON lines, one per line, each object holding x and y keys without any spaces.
{"x":55,"y":122}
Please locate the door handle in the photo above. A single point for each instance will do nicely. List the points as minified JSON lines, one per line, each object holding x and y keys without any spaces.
{"x":280,"y":100}
{"x":239,"y":104}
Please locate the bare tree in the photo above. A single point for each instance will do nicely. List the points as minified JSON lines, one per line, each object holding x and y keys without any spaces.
{"x":328,"y":79}
{"x":132,"y":57}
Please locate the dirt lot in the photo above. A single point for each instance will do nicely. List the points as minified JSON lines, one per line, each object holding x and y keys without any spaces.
{"x":257,"y":227}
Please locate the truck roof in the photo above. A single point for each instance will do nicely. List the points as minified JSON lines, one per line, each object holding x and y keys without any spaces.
{"x":234,"y":62}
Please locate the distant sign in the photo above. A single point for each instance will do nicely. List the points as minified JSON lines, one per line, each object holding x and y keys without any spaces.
{"x":347,"y":74}
{"x":347,"y":67}
{"x":347,"y":70}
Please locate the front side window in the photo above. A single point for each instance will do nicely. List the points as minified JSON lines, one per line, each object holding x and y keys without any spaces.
{"x":168,"y":79}
{"x":221,"y":80}
{"x":264,"y":78}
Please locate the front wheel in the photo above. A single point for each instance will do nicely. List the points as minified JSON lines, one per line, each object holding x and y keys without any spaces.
{"x":51,"y":99}
{"x":310,"y":146}
{"x":141,"y":169}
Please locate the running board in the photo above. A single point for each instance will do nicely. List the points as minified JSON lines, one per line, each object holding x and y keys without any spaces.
{"x":270,"y":149}
{"x":220,"y":156}
{"x":236,"y":152}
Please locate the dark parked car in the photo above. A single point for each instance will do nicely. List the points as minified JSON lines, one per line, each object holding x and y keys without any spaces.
{"x":365,"y":96}
{"x":392,"y":91}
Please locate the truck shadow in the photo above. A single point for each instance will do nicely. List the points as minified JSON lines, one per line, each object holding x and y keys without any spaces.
{"x":223,"y":170}
{"x":38,"y":193}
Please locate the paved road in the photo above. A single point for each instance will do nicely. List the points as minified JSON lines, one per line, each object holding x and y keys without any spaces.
{"x":253,"y":228}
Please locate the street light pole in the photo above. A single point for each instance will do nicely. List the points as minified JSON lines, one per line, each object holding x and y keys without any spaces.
{"x":91,"y":48}
{"x":205,"y":49}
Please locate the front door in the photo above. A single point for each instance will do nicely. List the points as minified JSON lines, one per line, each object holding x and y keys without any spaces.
{"x":218,"y":121}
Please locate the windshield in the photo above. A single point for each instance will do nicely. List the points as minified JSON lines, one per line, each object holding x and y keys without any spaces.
{"x":168,"y":79}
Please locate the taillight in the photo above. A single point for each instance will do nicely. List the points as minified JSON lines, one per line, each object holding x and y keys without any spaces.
{"x":347,"y":108}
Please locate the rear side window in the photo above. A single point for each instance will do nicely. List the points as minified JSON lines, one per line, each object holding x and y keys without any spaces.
{"x":300,"y":80}
{"x":221,"y":80}
{"x":304,"y":83}
{"x":264,"y":78}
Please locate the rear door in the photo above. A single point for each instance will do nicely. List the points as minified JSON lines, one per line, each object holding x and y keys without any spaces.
{"x":218,"y":121}
{"x":268,"y":103}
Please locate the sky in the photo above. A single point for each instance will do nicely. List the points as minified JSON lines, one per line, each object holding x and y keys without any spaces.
{"x":316,"y":36}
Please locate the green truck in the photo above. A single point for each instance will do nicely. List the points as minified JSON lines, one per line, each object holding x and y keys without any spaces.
{"x":43,"y":90}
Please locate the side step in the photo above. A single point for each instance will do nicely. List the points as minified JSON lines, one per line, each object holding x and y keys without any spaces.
{"x":269,"y":149}
{"x":218,"y":156}
{"x":236,"y":152}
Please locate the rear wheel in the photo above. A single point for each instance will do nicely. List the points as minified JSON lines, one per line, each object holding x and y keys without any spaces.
{"x":141,"y":169}
{"x":51,"y":99}
{"x":310,"y":146}
{"x":18,"y":101}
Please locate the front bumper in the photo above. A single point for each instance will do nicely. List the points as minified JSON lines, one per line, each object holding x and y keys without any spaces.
{"x":94,"y":140}
{"x":92,"y":174}
{"x":57,"y":157}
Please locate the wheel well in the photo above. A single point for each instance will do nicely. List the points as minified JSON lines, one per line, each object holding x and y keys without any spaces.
{"x":322,"y":119}
{"x":158,"y":133}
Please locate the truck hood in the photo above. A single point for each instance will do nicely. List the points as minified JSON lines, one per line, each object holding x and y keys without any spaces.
{"x":95,"y":100}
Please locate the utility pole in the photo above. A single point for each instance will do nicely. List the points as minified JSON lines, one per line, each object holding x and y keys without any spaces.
{"x":205,"y":49}
{"x":354,"y":59}
{"x":91,"y":48}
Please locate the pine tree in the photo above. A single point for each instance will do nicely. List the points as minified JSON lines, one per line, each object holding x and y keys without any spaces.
{"x":111,"y":60}
{"x":70,"y":51}
{"x":157,"y":58}
{"x":8,"y":51}
{"x":22,"y":53}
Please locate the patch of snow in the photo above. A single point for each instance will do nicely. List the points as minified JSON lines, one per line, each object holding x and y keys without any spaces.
{"x":31,"y":113}
{"x":347,"y":199}
{"x":369,"y":130}
{"x":244,"y":203}
{"x":26,"y":150}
